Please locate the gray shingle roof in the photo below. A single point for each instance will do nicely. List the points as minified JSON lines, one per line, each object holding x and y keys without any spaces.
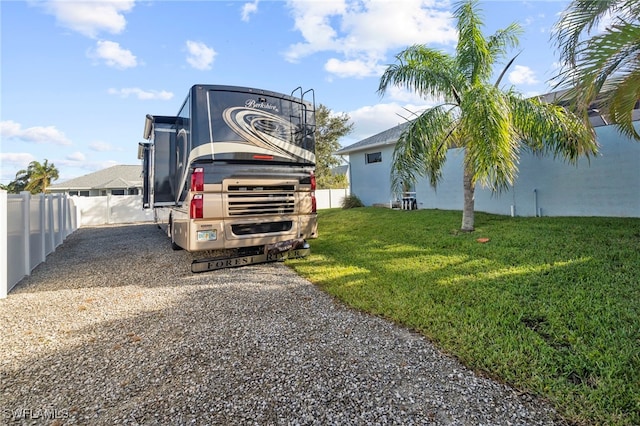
{"x":340,"y":170}
{"x":387,"y":137}
{"x":123,"y":176}
{"x":391,"y":136}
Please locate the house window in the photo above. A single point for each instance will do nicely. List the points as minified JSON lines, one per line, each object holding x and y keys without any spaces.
{"x":84,"y":193}
{"x":73,"y":192}
{"x":374,"y":157}
{"x":117,"y":192}
{"x":133,"y":191}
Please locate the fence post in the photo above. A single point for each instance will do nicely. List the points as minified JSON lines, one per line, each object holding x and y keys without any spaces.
{"x":60,"y":217}
{"x":65,"y":213}
{"x":26,"y":230}
{"x":108,"y":218}
{"x":50,"y":227}
{"x":43,"y":225}
{"x":63,"y":218}
{"x":77,"y":213}
{"x":4,"y":272}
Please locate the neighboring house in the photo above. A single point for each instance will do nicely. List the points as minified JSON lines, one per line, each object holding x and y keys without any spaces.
{"x":607,"y":185}
{"x":369,"y":166}
{"x":115,"y":180}
{"x":341,"y":170}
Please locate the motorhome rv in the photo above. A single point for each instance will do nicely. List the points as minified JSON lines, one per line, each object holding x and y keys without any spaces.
{"x":231,"y":176}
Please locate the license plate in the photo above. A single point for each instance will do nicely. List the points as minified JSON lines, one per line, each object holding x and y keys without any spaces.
{"x":204,"y":265}
{"x":210,"y":235}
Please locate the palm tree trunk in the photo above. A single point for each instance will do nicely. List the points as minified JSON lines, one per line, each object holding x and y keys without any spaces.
{"x":469,"y":200}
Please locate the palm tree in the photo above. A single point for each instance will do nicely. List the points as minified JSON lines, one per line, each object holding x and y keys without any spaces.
{"x":38,"y":176}
{"x":493,"y":126}
{"x":607,"y":64}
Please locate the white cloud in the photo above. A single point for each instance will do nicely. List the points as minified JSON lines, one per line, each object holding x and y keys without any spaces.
{"x":248,"y":9}
{"x":17,"y":158}
{"x":9,"y":128}
{"x":90,"y":17}
{"x":12,"y":162}
{"x":373,"y":119}
{"x":522,"y":75}
{"x":144,"y":95}
{"x":312,"y":19}
{"x":363,"y":32}
{"x":113,"y":55}
{"x":37,"y":134}
{"x":200,"y":55}
{"x":353,"y":68}
{"x":76,"y":156}
{"x":101,"y":146}
{"x":403,"y":95}
{"x":381,"y":24}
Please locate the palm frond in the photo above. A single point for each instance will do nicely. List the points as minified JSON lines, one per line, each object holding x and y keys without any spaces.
{"x":622,"y":101}
{"x":422,"y":148}
{"x":551,"y":129}
{"x":581,"y":17}
{"x":472,"y":51}
{"x":602,"y":64}
{"x":492,"y":150}
{"x":505,"y":39}
{"x":505,"y":69}
{"x":424,"y":71}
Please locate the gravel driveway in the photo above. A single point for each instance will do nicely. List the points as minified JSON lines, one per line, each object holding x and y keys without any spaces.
{"x":114,"y":329}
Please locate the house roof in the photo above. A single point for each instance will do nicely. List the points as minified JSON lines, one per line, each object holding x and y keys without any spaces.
{"x":340,"y":170}
{"x":387,"y":137}
{"x":123,"y":176}
{"x":391,"y":136}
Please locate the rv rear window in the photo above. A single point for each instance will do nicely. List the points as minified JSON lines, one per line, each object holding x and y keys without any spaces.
{"x":374,"y":157}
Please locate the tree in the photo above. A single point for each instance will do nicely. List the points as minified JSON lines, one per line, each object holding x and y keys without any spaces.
{"x":493,"y":126}
{"x":606,"y":64}
{"x":14,"y":187}
{"x":36,"y":178}
{"x":329,"y":128}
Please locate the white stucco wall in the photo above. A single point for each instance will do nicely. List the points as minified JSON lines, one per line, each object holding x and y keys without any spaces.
{"x":370,"y":182}
{"x":608,"y":185}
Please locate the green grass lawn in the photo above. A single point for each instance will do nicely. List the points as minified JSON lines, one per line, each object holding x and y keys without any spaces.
{"x":548,"y":305}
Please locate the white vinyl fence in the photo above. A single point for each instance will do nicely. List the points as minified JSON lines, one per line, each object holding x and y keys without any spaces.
{"x":31,"y":227}
{"x":114,"y":209}
{"x":330,"y":198}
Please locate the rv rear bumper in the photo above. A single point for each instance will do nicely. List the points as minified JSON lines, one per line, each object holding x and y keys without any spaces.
{"x":196,"y":235}
{"x":273,"y":252}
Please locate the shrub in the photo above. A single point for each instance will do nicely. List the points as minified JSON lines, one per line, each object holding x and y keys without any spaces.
{"x":351,"y":201}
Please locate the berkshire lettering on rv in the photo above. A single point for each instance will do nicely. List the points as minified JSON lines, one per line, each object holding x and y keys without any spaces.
{"x":252,"y":103}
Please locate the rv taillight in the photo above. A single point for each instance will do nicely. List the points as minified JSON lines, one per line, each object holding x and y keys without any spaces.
{"x":196,"y":207}
{"x":313,"y":193}
{"x":197,"y":179}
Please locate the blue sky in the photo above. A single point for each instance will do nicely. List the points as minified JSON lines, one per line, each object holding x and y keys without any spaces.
{"x":78,"y":78}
